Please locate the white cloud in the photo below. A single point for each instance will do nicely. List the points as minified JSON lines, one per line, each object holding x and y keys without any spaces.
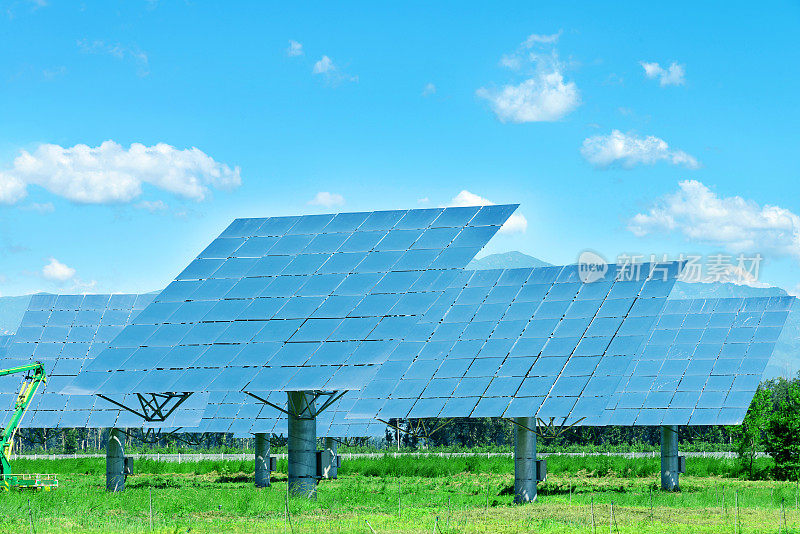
{"x":542,"y":39}
{"x":516,"y":224}
{"x":628,"y":151}
{"x":734,"y":223}
{"x":324,"y":65}
{"x":110,"y":173}
{"x":152,"y":205}
{"x":544,"y":95}
{"x":326,"y":199}
{"x":295,"y":49}
{"x":672,"y":75}
{"x":331,"y":72}
{"x":429,"y":89}
{"x":119,"y":51}
{"x":55,"y":72}
{"x":542,"y":98}
{"x":12,"y":189}
{"x":57,"y":271}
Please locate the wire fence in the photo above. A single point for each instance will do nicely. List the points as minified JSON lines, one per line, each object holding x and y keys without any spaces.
{"x":200,"y":456}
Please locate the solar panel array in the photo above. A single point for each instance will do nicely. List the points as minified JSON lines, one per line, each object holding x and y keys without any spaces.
{"x":702,"y":362}
{"x":293,"y":303}
{"x":63,"y":332}
{"x":688,"y":371}
{"x":493,"y":338}
{"x":519,"y":343}
{"x":378,"y":304}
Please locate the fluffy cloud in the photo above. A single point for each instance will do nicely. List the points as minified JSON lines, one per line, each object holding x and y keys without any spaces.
{"x":324,"y":65}
{"x":734,"y":223}
{"x":543,"y":95}
{"x":672,"y":75}
{"x":331,"y":72}
{"x":326,"y":199}
{"x":543,"y":98}
{"x":12,"y":189}
{"x":295,"y":49}
{"x":628,"y":151}
{"x":111,"y":173}
{"x":57,"y":271}
{"x":516,"y":224}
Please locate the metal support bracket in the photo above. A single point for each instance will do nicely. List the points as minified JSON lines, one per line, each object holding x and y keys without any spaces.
{"x":305,"y":410}
{"x":421,"y":432}
{"x":551,"y":431}
{"x":154,"y":407}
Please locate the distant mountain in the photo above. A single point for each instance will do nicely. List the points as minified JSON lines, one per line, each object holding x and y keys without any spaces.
{"x":11,"y":311}
{"x":506,"y":260}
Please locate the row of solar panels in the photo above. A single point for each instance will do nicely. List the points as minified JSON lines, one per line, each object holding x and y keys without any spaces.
{"x":379,"y":305}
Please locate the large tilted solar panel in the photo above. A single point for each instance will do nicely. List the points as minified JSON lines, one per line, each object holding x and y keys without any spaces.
{"x":702,"y":362}
{"x":293,"y":303}
{"x":63,"y":332}
{"x":480,"y":339}
{"x":520,"y":343}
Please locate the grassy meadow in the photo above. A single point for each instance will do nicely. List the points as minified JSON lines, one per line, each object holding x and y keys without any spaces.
{"x":469,"y":494}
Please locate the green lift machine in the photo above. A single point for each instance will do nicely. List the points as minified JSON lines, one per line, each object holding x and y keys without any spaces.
{"x":34,"y":377}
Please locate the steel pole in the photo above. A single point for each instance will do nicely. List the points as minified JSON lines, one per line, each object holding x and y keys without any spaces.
{"x":262,"y":460}
{"x":302,"y":447}
{"x":115,"y":461}
{"x":524,"y":460}
{"x":669,"y":458}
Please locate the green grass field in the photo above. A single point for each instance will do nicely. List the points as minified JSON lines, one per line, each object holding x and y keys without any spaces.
{"x":403,"y":495}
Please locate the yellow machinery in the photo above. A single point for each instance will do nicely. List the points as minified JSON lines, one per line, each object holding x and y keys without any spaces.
{"x":34,"y":378}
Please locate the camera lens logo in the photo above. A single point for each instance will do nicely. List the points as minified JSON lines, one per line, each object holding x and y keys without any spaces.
{"x":591,"y":267}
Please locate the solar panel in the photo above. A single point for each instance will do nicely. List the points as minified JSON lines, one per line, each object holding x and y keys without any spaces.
{"x":64,"y":332}
{"x":495,"y":339}
{"x":701,"y":364}
{"x":519,"y":342}
{"x":293,"y":303}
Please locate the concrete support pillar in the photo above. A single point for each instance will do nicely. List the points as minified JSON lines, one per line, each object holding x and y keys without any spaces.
{"x":302,"y":447}
{"x":262,"y":461}
{"x":331,"y":469}
{"x":115,"y":461}
{"x":670,"y":462}
{"x":524,"y":460}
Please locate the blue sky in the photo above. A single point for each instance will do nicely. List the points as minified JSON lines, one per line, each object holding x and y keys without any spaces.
{"x":588,"y":116}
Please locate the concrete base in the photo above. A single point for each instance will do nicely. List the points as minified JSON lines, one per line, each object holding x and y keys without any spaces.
{"x":302,"y":447}
{"x":524,"y":460}
{"x":670,"y":463}
{"x":262,"y":461}
{"x":115,"y":461}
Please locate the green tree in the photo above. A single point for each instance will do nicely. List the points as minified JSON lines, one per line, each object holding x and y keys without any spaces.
{"x":752,"y":433}
{"x":783,"y":434}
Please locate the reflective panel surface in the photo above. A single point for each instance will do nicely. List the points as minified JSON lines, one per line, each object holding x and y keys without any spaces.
{"x":64,"y":333}
{"x":322,"y":300}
